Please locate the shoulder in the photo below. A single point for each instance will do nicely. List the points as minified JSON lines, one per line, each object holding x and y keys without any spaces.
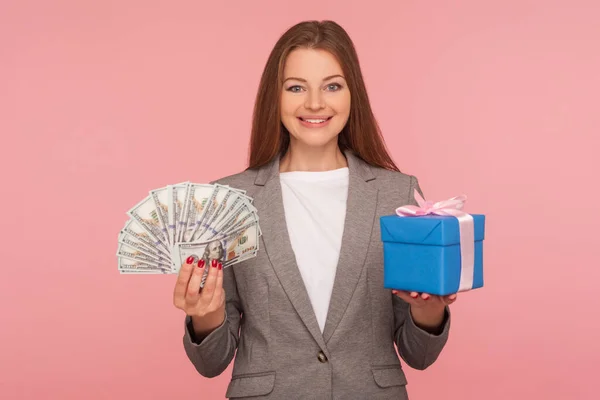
{"x":393,"y":180}
{"x":395,"y":188}
{"x":241,"y":180}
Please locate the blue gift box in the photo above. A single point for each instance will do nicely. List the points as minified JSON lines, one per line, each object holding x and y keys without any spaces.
{"x":422,"y":253}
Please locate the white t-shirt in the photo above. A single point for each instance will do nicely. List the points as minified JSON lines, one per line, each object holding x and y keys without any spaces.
{"x":315,"y":210}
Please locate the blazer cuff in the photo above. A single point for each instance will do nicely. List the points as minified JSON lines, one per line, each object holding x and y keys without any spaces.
{"x":442,"y":333}
{"x":190,"y":337}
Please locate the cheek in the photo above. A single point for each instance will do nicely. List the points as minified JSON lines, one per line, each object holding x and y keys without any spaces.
{"x":340,"y":104}
{"x":289,"y":104}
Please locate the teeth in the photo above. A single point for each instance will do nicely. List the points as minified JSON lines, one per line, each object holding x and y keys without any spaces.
{"x":315,"y":121}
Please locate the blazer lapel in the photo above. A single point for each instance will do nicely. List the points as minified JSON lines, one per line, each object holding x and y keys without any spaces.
{"x":360,"y":217}
{"x":271,"y":213}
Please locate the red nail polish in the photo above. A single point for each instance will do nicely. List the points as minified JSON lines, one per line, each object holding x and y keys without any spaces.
{"x":190,"y":259}
{"x":220,"y":266}
{"x":201,"y":263}
{"x":214,"y":263}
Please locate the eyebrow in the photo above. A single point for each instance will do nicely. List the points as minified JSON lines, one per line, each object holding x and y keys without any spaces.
{"x":304,"y":80}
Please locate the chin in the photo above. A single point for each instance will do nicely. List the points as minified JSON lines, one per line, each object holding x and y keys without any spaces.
{"x":317,"y":140}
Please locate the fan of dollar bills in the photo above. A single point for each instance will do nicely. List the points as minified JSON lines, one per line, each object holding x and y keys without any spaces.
{"x":205,"y":221}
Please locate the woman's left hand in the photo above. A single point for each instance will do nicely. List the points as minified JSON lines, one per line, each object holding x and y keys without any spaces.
{"x":427,"y":310}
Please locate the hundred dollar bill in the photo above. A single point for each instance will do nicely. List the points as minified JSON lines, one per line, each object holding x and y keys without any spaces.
{"x":239,"y":191}
{"x":229,"y":250}
{"x":133,"y":254}
{"x":133,"y":228}
{"x":208,"y":203}
{"x":248,"y":214}
{"x":243,"y":243}
{"x":210,"y":227}
{"x":221,"y":202}
{"x":243,"y":221}
{"x":185,"y":200}
{"x":161,"y":203}
{"x":127,"y":266}
{"x":131,"y":241}
{"x":146,"y":215}
{"x":176,"y":195}
{"x":240,"y":217}
{"x":199,"y":198}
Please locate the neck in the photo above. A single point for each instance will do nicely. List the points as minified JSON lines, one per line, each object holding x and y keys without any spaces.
{"x":300,"y":158}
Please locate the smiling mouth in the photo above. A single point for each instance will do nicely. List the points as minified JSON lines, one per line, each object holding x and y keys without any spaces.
{"x":315,"y":120}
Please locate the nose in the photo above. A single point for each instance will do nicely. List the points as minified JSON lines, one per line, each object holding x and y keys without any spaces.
{"x":314,"y":100}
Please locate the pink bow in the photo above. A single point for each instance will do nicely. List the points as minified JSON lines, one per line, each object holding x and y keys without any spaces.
{"x":451,"y":207}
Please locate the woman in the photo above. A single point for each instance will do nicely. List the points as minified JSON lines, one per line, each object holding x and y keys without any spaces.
{"x":309,"y":316}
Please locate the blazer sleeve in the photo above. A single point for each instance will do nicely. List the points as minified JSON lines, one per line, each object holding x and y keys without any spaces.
{"x":214,"y":353}
{"x":417,"y":347}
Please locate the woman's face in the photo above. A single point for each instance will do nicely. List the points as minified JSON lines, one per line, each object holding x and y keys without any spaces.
{"x":315,"y":101}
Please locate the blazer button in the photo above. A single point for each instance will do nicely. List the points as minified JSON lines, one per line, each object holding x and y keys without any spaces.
{"x":322,"y":357}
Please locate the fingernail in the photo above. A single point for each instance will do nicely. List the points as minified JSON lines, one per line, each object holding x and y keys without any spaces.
{"x":190,"y":259}
{"x":426,"y":297}
{"x":414,"y":295}
{"x":201,"y":263}
{"x":452,"y":296}
{"x":220,"y":266}
{"x":214,"y":263}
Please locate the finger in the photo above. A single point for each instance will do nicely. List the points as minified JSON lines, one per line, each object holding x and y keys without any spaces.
{"x":193,"y":290}
{"x":414,"y":295}
{"x":219,"y":283}
{"x":216,"y":300}
{"x":450,"y":299}
{"x":219,"y":297}
{"x":208,"y":291}
{"x":183,"y":278}
{"x":404,"y":296}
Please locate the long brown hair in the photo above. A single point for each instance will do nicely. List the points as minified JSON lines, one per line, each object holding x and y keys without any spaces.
{"x":361,"y":134}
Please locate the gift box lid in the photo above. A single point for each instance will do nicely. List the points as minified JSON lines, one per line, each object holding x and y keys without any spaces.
{"x":427,"y":229}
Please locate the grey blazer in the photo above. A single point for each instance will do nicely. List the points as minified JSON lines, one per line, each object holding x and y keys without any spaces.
{"x":281,"y":353}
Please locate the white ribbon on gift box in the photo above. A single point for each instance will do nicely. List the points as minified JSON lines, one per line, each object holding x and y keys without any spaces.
{"x":451,"y":207}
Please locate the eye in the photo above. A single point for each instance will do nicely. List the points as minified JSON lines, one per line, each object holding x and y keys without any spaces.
{"x":294,"y":89}
{"x":334,"y":87}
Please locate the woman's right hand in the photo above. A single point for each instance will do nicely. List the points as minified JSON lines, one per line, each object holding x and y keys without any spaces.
{"x":205,"y":306}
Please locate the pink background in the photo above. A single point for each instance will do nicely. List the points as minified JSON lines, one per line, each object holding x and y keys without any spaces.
{"x":101,"y":101}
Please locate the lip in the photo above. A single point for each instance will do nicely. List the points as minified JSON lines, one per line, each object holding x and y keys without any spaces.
{"x":315,"y":116}
{"x":307,"y":124}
